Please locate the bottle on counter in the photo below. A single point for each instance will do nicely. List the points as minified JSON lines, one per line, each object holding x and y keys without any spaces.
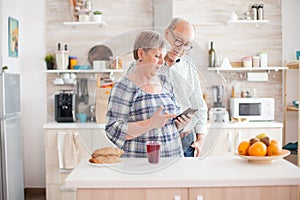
{"x":58,"y":57}
{"x":232,"y":92}
{"x":211,"y":55}
{"x":62,"y":57}
{"x":260,"y":12}
{"x":254,"y":11}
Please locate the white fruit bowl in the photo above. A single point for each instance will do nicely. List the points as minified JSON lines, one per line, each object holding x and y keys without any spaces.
{"x":265,"y":159}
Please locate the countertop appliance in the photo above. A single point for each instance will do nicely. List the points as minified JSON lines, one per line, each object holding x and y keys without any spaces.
{"x":218,"y":112}
{"x":253,"y":109}
{"x":65,"y":106}
{"x":11,"y":168}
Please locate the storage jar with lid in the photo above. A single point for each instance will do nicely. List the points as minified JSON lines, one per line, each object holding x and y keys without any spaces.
{"x":255,"y":61}
{"x":247,"y":62}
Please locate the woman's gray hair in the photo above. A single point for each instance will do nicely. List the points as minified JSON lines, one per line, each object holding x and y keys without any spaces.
{"x":147,"y":40}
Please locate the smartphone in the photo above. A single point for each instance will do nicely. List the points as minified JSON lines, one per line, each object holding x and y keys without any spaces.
{"x":186,"y":112}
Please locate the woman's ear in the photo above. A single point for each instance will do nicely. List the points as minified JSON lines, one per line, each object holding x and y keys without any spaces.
{"x":140,"y":53}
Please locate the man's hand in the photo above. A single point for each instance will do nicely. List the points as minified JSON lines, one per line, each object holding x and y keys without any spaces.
{"x":198,"y":144}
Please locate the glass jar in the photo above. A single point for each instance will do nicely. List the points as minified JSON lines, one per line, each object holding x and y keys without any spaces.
{"x":247,"y":62}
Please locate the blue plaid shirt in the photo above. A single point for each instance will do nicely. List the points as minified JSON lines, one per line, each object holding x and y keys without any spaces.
{"x":129,"y":103}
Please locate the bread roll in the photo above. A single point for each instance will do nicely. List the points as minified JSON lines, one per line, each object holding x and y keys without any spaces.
{"x":105,"y":151}
{"x":105,"y":159}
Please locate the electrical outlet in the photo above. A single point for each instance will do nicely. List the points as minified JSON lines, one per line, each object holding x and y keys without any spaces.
{"x":200,"y":197}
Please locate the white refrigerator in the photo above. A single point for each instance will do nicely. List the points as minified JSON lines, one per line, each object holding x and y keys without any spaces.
{"x":11,"y":140}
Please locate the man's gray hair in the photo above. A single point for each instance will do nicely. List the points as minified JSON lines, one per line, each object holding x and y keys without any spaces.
{"x":147,"y":40}
{"x":176,"y":20}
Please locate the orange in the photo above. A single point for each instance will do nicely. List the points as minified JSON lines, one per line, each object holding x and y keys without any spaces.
{"x":243,"y":148}
{"x":274,"y":149}
{"x":275,"y":141}
{"x":257,"y":149}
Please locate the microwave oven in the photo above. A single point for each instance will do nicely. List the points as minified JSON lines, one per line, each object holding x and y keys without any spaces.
{"x":252,"y":109}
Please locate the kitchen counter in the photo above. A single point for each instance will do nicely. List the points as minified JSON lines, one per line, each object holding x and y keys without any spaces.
{"x":211,"y":172}
{"x":89,"y":125}
{"x":265,"y":124}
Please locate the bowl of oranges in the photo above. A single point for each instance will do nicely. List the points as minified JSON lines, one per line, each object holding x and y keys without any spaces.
{"x":261,"y":149}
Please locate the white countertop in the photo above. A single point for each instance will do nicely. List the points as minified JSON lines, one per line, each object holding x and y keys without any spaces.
{"x":184,"y":172}
{"x":89,"y":125}
{"x":264,"y":124}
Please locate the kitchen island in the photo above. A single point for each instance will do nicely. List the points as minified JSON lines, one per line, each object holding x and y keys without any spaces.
{"x":208,"y":178}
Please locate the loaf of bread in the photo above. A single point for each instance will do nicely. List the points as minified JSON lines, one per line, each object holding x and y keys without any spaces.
{"x":105,"y":159}
{"x":106,"y":155}
{"x":105,"y":151}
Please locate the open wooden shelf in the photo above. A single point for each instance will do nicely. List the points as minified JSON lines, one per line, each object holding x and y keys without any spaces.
{"x":292,"y":108}
{"x":293,"y":65}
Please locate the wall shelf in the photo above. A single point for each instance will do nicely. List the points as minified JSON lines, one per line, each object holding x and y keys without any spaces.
{"x":91,"y":23}
{"x":256,"y":22}
{"x":84,"y":71}
{"x":218,"y":69}
{"x":292,"y":108}
{"x":293,"y":64}
{"x":247,"y":21}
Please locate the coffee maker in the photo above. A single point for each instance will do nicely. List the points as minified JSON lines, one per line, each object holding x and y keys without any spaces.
{"x":65,"y":106}
{"x":218,"y":112}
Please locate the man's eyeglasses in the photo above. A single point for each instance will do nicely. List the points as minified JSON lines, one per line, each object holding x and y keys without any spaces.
{"x":178,"y":43}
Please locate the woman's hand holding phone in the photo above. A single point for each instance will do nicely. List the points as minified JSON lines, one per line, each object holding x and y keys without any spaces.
{"x":184,"y":118}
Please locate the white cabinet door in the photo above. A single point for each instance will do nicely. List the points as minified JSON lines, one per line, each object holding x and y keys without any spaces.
{"x":219,"y":142}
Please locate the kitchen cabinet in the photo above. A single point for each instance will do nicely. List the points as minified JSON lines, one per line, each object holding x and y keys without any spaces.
{"x":136,"y":194}
{"x":228,"y":178}
{"x":238,"y":193}
{"x":224,"y":140}
{"x":223,"y":146}
{"x":90,"y":138}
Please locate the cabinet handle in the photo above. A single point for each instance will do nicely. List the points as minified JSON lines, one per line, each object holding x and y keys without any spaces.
{"x":65,"y":170}
{"x":229,"y":141}
{"x":64,"y":189}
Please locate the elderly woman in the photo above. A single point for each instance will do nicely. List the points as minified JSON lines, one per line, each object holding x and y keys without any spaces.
{"x":142,"y":106}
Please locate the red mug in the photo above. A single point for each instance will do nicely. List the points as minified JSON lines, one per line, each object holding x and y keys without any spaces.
{"x":153,"y":148}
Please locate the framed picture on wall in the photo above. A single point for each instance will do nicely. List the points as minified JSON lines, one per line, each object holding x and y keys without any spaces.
{"x":13,"y":37}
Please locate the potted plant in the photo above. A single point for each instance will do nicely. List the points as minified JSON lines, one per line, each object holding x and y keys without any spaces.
{"x":97,"y":16}
{"x":49,"y":59}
